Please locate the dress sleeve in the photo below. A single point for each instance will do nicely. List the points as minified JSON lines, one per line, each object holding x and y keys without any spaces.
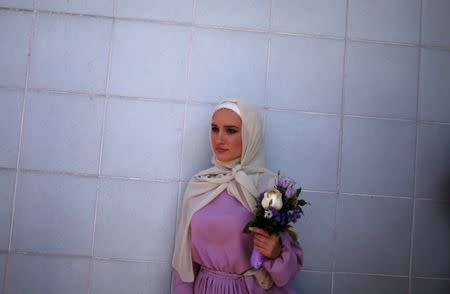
{"x":180,"y":287}
{"x":283,"y":268}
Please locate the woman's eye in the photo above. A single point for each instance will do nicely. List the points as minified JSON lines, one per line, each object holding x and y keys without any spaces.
{"x":231,"y":131}
{"x":214,"y":129}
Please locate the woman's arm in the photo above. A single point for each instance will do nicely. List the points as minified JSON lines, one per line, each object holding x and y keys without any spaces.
{"x":288,"y":263}
{"x":181,"y":287}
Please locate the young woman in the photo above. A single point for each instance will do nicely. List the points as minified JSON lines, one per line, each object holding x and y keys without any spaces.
{"x":212,"y":254}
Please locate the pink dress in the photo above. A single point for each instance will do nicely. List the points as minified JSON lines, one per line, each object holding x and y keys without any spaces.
{"x":221,"y":253}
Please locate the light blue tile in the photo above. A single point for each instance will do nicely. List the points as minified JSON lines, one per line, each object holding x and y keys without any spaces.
{"x":54,"y":213}
{"x":62,"y":132}
{"x":96,"y":7}
{"x":253,"y":14}
{"x":15,"y":33}
{"x":197,"y":152}
{"x":11,"y":102}
{"x":7,"y":178}
{"x":17,"y":3}
{"x":311,"y":283}
{"x":373,"y":234}
{"x":70,"y":53}
{"x":378,"y":156}
{"x":136,"y":220}
{"x":436,"y":21}
{"x":348,"y":283}
{"x":316,"y":230}
{"x":385,"y":20}
{"x":176,"y":10}
{"x":433,"y":162}
{"x":381,"y":80}
{"x":222,"y":69}
{"x":47,"y":275}
{"x":325,"y":17}
{"x":431,"y":257}
{"x":305,"y":73}
{"x":115,"y":277}
{"x":142,"y":139}
{"x":294,"y":148}
{"x":427,"y":286}
{"x":149,"y":60}
{"x":2,"y":270}
{"x":435,"y":85}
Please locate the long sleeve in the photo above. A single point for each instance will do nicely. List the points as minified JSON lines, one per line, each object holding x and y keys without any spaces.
{"x":283,"y":268}
{"x":180,"y":287}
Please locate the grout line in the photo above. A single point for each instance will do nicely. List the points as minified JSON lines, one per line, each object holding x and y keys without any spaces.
{"x":375,"y":195}
{"x":416,"y":156}
{"x":199,"y":102}
{"x":227,"y":28}
{"x":341,"y":137}
{"x":100,"y":152}
{"x":269,"y":50}
{"x":19,"y":152}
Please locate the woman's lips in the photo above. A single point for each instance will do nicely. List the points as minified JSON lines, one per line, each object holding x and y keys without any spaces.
{"x":221,"y":150}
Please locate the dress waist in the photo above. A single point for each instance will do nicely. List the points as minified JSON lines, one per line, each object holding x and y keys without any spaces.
{"x":220,"y":274}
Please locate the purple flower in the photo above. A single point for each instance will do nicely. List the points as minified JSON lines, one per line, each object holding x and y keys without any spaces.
{"x":290,"y":191}
{"x":286,"y":182}
{"x":268,"y":213}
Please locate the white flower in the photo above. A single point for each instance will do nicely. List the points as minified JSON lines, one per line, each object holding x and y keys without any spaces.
{"x":268,"y":214}
{"x":272,"y":198}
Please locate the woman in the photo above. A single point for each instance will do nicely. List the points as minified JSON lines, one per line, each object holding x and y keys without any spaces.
{"x":211,"y":254}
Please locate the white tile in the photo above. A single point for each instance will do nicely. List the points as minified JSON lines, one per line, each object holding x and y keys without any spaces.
{"x":150,"y":60}
{"x":426,"y":286}
{"x":373,"y":235}
{"x":315,"y":230}
{"x":433,"y":162}
{"x":436,"y":22}
{"x":351,"y":283}
{"x":15,"y":33}
{"x":294,"y":148}
{"x":175,"y":10}
{"x":381,"y":80}
{"x":311,"y":282}
{"x":221,"y":69}
{"x":378,"y":156}
{"x":70,"y":53}
{"x":197,"y":152}
{"x":142,"y":139}
{"x":7,"y":178}
{"x":17,"y":3}
{"x":115,"y":277}
{"x":136,"y":220}
{"x":96,"y":7}
{"x":2,"y":269}
{"x":431,"y":256}
{"x":11,"y":102}
{"x":253,"y":14}
{"x":325,"y":17}
{"x":434,"y":98}
{"x":305,"y":73}
{"x":62,"y":132}
{"x":54,"y":213}
{"x":387,"y":20}
{"x":47,"y":275}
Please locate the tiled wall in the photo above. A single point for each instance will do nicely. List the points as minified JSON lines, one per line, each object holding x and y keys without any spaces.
{"x":104,"y":110}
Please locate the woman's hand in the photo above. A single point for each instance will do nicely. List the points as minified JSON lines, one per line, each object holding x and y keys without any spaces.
{"x":267,"y":245}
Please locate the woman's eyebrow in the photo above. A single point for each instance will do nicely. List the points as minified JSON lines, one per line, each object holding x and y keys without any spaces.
{"x":232,"y":126}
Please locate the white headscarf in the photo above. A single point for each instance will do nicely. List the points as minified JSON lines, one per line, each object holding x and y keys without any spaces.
{"x":243,"y":178}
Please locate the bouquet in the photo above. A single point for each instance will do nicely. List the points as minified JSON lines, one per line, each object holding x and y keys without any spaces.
{"x":276,"y":210}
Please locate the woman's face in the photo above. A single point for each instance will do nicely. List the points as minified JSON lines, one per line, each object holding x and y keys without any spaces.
{"x":226,"y":135}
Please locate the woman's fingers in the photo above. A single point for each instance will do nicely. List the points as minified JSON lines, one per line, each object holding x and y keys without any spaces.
{"x":259,"y":231}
